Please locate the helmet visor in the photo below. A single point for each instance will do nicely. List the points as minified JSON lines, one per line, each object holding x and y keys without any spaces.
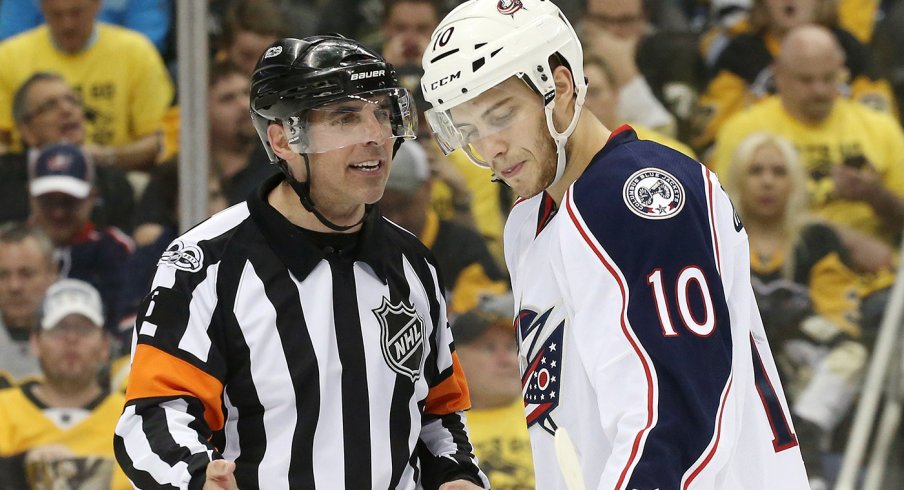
{"x":363,"y":118}
{"x":477,"y":125}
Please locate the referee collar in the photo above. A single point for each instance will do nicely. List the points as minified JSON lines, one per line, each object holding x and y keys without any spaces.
{"x":297,"y":251}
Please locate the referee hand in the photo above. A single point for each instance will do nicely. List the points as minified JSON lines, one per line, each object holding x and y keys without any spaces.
{"x":459,"y":485}
{"x":220,"y":477}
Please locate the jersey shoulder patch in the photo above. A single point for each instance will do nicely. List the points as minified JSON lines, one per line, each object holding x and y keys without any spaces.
{"x":183,"y":256}
{"x":653,"y":193}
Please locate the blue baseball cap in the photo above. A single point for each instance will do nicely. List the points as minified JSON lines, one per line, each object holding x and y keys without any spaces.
{"x":61,"y":168}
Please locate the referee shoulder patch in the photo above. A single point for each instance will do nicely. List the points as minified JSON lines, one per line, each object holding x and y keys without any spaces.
{"x":184,"y":257}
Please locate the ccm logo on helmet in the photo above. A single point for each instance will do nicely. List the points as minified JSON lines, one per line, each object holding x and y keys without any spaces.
{"x":442,"y":81}
{"x":367,"y":74}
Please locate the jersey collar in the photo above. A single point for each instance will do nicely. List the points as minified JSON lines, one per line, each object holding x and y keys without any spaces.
{"x":297,"y":251}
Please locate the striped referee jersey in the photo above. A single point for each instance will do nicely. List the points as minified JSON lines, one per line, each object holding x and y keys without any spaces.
{"x":310,"y":367}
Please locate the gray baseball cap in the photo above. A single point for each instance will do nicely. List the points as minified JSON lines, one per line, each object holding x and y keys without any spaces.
{"x":492,"y":310}
{"x":410,"y":168}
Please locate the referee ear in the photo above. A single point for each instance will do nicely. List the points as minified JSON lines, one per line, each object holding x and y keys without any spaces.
{"x":276,"y":135}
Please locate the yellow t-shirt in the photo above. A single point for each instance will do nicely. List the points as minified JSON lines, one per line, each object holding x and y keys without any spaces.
{"x":23,"y":426}
{"x":851,"y":129}
{"x":502,"y":446}
{"x":120,"y":76}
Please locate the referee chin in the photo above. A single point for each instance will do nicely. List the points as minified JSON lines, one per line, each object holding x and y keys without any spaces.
{"x":299,"y":336}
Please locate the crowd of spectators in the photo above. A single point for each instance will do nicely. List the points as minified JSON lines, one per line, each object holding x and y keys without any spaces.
{"x":795,"y":104}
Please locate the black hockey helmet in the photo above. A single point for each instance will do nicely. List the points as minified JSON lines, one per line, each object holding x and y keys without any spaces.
{"x":296,"y":75}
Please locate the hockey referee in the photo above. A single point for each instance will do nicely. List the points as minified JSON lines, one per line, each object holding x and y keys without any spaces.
{"x":299,"y":339}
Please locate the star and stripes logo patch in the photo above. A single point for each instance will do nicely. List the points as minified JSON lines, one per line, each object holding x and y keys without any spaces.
{"x":541,"y":356}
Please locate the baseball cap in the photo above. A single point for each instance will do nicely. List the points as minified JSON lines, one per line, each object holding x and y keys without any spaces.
{"x":492,"y":310}
{"x":68,"y":296}
{"x":61,"y":168}
{"x":410,"y":168}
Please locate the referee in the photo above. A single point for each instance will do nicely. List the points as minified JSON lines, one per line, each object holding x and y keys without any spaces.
{"x":299,"y":336}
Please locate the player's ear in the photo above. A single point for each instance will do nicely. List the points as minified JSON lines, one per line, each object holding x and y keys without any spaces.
{"x":565,"y":97}
{"x":279,"y":142}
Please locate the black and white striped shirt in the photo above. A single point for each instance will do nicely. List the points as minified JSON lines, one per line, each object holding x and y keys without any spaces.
{"x":308,"y":367}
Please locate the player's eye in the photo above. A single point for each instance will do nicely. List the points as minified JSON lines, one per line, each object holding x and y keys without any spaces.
{"x":346,"y":119}
{"x":502,"y":116}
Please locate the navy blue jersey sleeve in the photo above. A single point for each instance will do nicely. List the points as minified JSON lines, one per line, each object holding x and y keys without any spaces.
{"x":645,"y":214}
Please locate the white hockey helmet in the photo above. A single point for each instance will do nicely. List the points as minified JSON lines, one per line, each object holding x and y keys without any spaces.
{"x":483,"y":43}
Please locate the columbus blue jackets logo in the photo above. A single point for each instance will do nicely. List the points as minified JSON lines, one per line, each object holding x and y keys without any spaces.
{"x":653,"y":193}
{"x":401,"y":338}
{"x":509,"y":7}
{"x":541,"y":366}
{"x":183,"y":257}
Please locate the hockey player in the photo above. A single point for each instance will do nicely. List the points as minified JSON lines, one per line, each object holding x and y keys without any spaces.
{"x":637,"y":327}
{"x":300,"y":336}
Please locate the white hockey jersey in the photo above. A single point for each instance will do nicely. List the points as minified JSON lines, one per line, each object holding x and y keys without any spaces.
{"x":638,"y":331}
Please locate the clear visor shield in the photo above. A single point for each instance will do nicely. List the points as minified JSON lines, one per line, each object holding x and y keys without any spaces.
{"x":360,"y":119}
{"x":484,"y":126}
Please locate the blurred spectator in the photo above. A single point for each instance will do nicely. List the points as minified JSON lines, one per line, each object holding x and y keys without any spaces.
{"x":249,"y":27}
{"x":726,"y":19}
{"x":468,"y":195}
{"x":407,"y":26}
{"x":602,"y":101}
{"x":149,"y":17}
{"x":157,"y":225}
{"x":26,"y":271}
{"x":61,"y":182}
{"x":805,"y":288}
{"x":238,"y":160}
{"x":485,"y":344}
{"x":59,"y":431}
{"x":854,"y":156}
{"x":47,"y":111}
{"x":468,"y":269}
{"x":642,"y":59}
{"x":359,"y":19}
{"x":858,"y":17}
{"x":743,"y":72}
{"x":118,"y":74}
{"x":887,"y":43}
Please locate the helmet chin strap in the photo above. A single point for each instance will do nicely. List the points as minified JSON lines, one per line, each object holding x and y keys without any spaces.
{"x":303,"y":191}
{"x":561,"y":139}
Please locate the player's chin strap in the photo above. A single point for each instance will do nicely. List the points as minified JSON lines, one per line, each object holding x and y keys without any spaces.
{"x":562,"y":138}
{"x":303,"y":190}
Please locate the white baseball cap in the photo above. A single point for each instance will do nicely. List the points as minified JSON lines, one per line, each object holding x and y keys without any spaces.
{"x":71,"y":296}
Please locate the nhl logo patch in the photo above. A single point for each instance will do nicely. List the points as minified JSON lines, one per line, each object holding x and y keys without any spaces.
{"x":653,"y":193}
{"x":401,"y":338}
